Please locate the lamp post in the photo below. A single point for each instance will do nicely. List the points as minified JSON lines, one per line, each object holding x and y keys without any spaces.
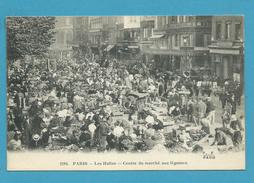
{"x":186,"y":49}
{"x":116,"y":39}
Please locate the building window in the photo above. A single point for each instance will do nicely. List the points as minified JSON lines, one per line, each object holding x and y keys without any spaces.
{"x":184,"y":19}
{"x":236,"y":64}
{"x":227,"y":30}
{"x":207,"y":40}
{"x":176,"y":40}
{"x":180,"y":18}
{"x":60,"y":37}
{"x":169,"y":42}
{"x":173,"y":19}
{"x":190,"y":18}
{"x":218,"y":31}
{"x":185,"y":40}
{"x":163,"y":20}
{"x":238,"y":31}
{"x":167,"y":20}
{"x":200,"y":40}
{"x":68,"y":21}
{"x":164,"y":43}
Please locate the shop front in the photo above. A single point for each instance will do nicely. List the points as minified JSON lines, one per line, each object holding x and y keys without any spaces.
{"x":227,"y":63}
{"x":178,"y":60}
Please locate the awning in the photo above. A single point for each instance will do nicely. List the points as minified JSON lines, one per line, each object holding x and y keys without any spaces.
{"x":157,"y":36}
{"x":109,"y":47}
{"x":94,"y":30}
{"x":134,"y":47}
{"x":138,"y":95}
{"x":157,"y":51}
{"x":226,"y":51}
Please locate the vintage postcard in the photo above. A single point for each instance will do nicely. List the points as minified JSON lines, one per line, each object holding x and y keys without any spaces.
{"x":125,"y":93}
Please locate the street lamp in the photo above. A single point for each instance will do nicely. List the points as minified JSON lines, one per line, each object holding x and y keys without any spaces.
{"x":186,"y":48}
{"x":185,"y":51}
{"x":116,"y":40}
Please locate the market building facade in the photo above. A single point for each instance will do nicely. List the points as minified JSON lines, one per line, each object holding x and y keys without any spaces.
{"x":209,"y":44}
{"x":80,"y":31}
{"x":64,"y":36}
{"x":227,"y":47}
{"x":180,"y":42}
{"x":62,"y":47}
{"x":147,"y":26}
{"x":128,"y":40}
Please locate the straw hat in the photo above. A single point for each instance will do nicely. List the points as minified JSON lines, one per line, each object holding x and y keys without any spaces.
{"x":36,"y":137}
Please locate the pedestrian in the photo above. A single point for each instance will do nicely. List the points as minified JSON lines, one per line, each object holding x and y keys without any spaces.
{"x":15,"y":143}
{"x":210,"y":110}
{"x":103,"y":130}
{"x":201,"y":108}
{"x":190,"y":110}
{"x":225,"y":119}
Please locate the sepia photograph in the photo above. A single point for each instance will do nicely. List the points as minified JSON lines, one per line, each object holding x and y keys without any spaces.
{"x":125,"y":92}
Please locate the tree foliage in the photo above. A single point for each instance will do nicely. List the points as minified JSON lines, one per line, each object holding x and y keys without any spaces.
{"x":29,"y":36}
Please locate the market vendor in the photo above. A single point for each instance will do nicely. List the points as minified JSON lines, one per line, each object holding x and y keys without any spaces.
{"x":15,"y":143}
{"x":222,"y":138}
{"x":84,"y":106}
{"x":103,"y":130}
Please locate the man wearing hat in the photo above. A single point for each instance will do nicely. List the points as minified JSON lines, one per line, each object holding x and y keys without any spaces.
{"x":184,"y":138}
{"x":103,"y":130}
{"x":15,"y":143}
{"x":222,"y":138}
{"x":237,"y":127}
{"x":18,"y":118}
{"x":225,"y":119}
{"x":235,"y":124}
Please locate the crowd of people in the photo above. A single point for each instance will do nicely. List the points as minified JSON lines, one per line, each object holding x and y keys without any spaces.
{"x":103,"y":105}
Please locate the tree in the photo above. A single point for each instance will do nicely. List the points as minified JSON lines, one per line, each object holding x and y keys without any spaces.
{"x":29,"y":36}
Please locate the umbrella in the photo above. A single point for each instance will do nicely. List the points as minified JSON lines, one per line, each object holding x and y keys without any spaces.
{"x":149,"y":119}
{"x":52,"y":98}
{"x":186,"y":74}
{"x":138,"y":95}
{"x":169,"y":72}
{"x":64,"y":113}
{"x":138,"y":75}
